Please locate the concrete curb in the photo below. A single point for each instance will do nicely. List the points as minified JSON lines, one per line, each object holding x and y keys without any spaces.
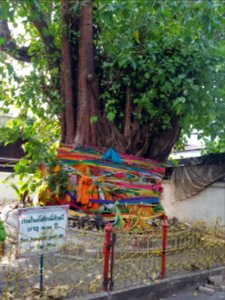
{"x":157,"y":290}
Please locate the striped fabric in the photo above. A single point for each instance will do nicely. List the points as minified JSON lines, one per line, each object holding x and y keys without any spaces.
{"x":128,"y":180}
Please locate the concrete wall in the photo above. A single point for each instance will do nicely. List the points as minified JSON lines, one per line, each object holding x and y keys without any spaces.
{"x":6,"y":192}
{"x":209,"y":205}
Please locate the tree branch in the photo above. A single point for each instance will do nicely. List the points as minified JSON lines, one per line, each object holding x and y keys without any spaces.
{"x":128,"y":108}
{"x":10,"y":47}
{"x":42,"y":28}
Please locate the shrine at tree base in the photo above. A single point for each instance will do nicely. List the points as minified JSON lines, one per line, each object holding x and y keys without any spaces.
{"x":111,"y":186}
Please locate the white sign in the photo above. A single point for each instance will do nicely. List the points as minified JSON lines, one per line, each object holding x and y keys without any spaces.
{"x":41,"y":229}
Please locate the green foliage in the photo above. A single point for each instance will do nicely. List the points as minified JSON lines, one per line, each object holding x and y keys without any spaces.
{"x":2,"y":231}
{"x":57,"y":182}
{"x":32,"y":90}
{"x":94,"y":119}
{"x":171,"y":54}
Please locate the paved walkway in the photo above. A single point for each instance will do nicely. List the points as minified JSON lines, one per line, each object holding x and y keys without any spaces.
{"x":195,"y":295}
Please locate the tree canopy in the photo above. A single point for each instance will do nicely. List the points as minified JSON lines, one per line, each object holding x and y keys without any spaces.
{"x":155,"y":71}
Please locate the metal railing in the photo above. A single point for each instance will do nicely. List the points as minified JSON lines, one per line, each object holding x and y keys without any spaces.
{"x":111,"y":260}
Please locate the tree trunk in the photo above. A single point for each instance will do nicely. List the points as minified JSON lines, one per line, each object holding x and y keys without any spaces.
{"x":127,"y":121}
{"x":86,"y":104}
{"x":162,"y":143}
{"x":67,"y":116}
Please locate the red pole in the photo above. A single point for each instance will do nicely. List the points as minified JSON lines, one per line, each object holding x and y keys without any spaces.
{"x":112,"y":261}
{"x":106,"y":253}
{"x":163,"y":256}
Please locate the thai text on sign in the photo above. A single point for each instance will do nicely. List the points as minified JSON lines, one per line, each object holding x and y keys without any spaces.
{"x":41,"y":229}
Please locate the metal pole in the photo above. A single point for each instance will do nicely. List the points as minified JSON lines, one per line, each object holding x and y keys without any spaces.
{"x":41,"y":271}
{"x":106,"y":253}
{"x":112,"y":261}
{"x":163,"y":256}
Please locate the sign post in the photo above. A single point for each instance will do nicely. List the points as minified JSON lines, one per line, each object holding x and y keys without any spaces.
{"x":41,"y":230}
{"x":41,"y":271}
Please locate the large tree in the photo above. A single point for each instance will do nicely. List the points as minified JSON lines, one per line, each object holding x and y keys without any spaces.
{"x":135,"y":75}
